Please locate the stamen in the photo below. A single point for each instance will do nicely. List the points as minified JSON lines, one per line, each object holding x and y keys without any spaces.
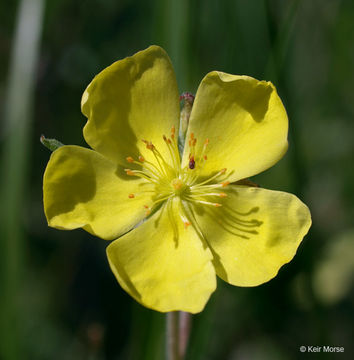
{"x":199,"y":193}
{"x":129,"y":172}
{"x":143,"y":175}
{"x":203,"y":202}
{"x":175,"y":160}
{"x":172,"y":220}
{"x":221,"y":172}
{"x":191,"y":163}
{"x":130,"y":159}
{"x":149,"y":144}
{"x":131,"y":196}
{"x":148,"y":210}
{"x":190,"y":215}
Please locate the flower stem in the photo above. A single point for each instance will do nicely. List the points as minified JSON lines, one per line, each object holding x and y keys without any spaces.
{"x":184,"y":332}
{"x":177,"y":334}
{"x":172,"y":335}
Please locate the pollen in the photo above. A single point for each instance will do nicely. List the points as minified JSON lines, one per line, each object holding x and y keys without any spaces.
{"x":186,"y":224}
{"x":169,"y":181}
{"x":129,"y":172}
{"x":177,"y":184}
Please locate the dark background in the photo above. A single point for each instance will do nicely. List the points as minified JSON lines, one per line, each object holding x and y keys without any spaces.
{"x":58,"y":298}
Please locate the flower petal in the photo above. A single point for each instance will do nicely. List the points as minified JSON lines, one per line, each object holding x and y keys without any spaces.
{"x":81,"y":188}
{"x":162,"y":270}
{"x":245,"y":122}
{"x":254,"y":233}
{"x":133,"y":99}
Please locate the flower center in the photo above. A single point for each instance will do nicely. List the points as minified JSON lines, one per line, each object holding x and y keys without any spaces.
{"x":169,"y":180}
{"x":178,"y":186}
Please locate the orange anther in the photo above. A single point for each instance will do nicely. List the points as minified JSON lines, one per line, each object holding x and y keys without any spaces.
{"x":206,"y":142}
{"x":217,"y":205}
{"x":150,"y":146}
{"x":186,"y":224}
{"x":223,"y":171}
{"x":129,"y":172}
{"x":141,"y":159}
{"x":192,"y":136}
{"x":205,"y":157}
{"x":223,"y":195}
{"x":169,"y":141}
{"x":194,"y":142}
{"x":225,"y":183}
{"x":173,"y":129}
{"x":131,"y":196}
{"x":164,"y":137}
{"x":130,"y":159}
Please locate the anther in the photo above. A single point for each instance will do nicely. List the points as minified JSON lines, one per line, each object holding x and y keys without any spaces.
{"x":206,"y":142}
{"x":191,"y":163}
{"x":223,"y":171}
{"x":148,"y":210}
{"x":141,"y":159}
{"x":205,"y":157}
{"x":225,"y":183}
{"x":186,"y":224}
{"x":149,"y":144}
{"x":223,"y":195}
{"x":129,"y":172}
{"x":130,"y":159}
{"x":131,"y":196}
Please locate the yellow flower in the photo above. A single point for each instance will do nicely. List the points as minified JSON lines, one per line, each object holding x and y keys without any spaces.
{"x":194,"y":221}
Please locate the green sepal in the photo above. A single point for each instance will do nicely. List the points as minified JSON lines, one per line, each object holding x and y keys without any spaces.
{"x":51,"y":144}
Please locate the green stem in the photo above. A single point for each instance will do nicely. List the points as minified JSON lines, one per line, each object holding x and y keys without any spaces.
{"x":16,"y":146}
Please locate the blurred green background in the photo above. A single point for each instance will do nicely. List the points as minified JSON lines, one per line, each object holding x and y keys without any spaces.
{"x":58,"y":298}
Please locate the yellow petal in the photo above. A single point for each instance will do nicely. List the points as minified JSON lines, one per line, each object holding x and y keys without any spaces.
{"x":162,"y":270}
{"x":133,"y":99}
{"x":254,"y":233}
{"x":82,"y":189}
{"x":245,"y":122}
